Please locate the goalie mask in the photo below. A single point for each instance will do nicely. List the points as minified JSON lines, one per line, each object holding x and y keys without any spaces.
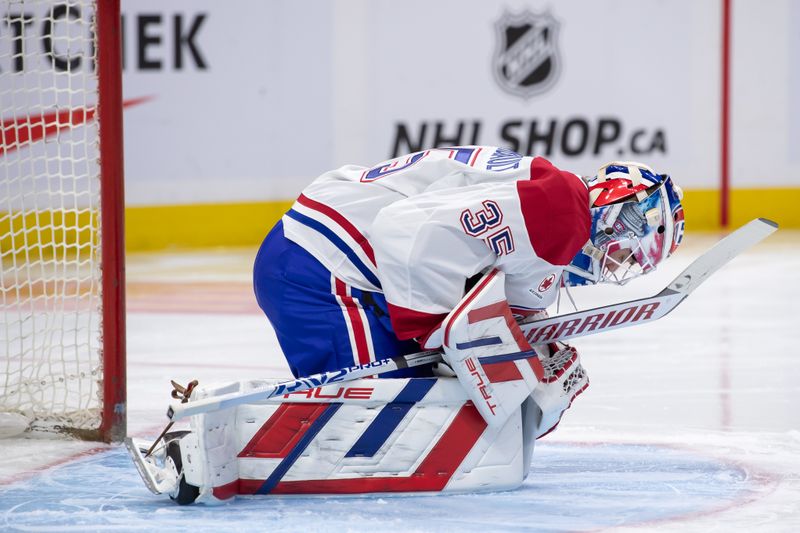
{"x":637,"y":222}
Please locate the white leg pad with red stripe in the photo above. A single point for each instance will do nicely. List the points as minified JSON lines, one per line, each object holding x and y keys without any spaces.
{"x":488,"y":352}
{"x":364,"y":436}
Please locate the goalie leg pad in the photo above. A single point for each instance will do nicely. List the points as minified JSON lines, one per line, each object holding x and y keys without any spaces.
{"x":395,"y":435}
{"x":364,"y":436}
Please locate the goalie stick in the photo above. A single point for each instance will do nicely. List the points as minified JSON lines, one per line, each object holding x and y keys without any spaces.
{"x":559,"y":328}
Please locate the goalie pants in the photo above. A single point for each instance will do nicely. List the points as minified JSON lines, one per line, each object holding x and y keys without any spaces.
{"x":322,"y":324}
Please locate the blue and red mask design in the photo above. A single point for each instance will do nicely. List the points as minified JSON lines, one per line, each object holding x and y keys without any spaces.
{"x":637,"y":222}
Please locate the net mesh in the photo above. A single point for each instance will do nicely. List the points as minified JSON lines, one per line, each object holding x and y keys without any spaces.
{"x":50,"y":293}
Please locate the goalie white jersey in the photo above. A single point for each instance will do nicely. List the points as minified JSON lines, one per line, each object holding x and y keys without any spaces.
{"x":418,"y":227}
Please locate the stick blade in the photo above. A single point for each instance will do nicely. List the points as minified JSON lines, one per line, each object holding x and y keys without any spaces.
{"x":136,"y":449}
{"x":721,"y":253}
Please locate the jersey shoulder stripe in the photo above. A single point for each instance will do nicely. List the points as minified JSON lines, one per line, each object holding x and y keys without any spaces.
{"x":338,"y":242}
{"x":345,"y":224}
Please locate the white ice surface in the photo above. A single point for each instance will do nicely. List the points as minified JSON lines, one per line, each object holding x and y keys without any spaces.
{"x":690,"y":423}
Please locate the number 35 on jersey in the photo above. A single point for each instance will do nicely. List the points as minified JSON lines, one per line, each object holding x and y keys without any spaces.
{"x":480,"y":222}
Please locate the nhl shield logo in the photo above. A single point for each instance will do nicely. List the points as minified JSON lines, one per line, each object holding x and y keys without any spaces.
{"x":526,"y":59}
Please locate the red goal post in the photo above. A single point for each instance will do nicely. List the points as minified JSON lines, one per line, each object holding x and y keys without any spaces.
{"x":62,"y":287}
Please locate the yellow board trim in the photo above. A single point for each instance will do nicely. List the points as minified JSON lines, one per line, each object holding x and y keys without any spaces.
{"x":702,"y":207}
{"x":33,"y":235}
{"x":194,"y":226}
{"x":245,"y":224}
{"x":201,"y":225}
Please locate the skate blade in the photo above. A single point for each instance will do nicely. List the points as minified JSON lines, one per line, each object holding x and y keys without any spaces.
{"x":157,"y":479}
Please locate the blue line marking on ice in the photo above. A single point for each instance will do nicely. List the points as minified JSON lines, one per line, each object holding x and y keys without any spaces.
{"x":570,"y":488}
{"x":390,"y":417}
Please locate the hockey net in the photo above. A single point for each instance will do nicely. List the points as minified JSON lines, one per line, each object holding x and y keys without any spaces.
{"x":61,"y":246}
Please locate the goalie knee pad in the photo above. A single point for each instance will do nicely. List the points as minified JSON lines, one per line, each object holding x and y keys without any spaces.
{"x":564,"y":379}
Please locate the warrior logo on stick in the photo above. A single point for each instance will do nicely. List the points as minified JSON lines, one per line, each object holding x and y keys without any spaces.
{"x":526,"y":60}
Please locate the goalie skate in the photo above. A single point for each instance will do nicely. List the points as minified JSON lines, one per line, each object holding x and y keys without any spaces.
{"x":162,"y":470}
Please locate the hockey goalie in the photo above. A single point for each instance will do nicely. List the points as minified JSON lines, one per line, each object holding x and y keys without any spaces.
{"x":444,"y":249}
